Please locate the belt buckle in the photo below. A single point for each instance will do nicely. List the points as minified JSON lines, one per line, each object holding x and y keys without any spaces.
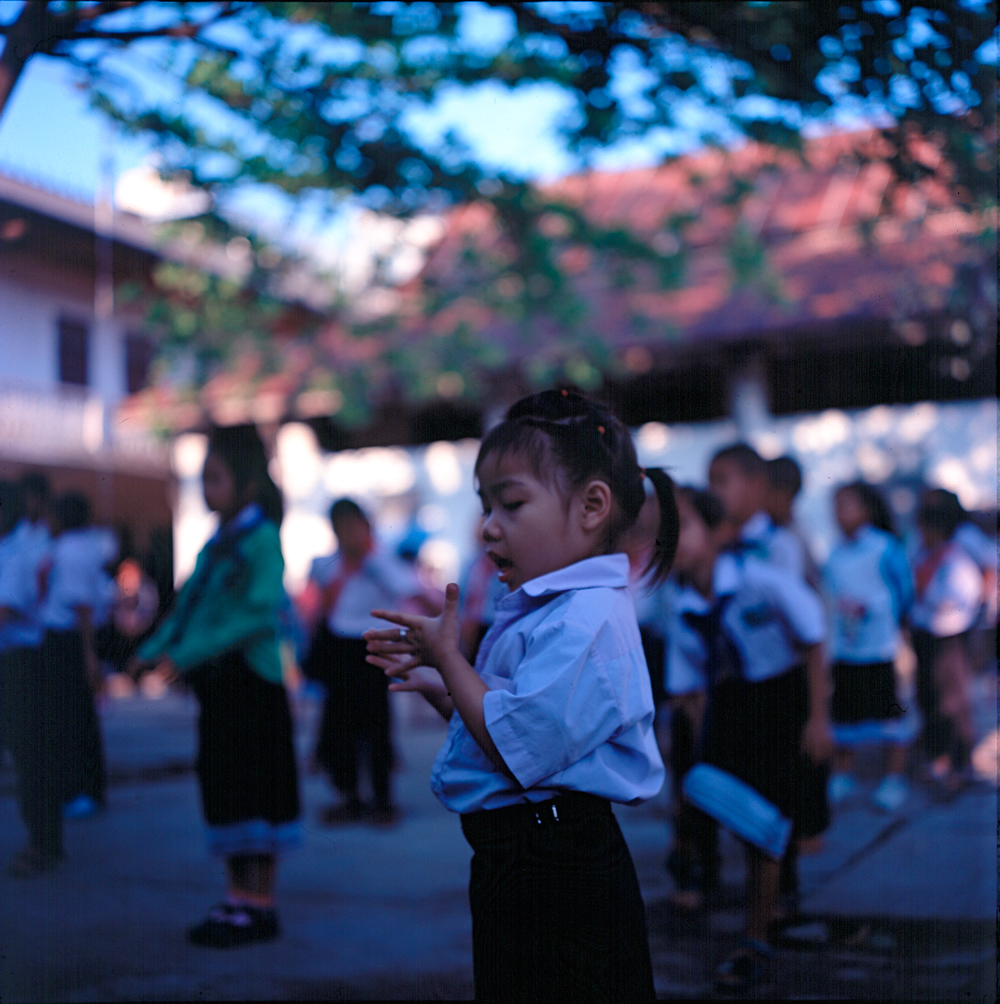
{"x":538,"y":815}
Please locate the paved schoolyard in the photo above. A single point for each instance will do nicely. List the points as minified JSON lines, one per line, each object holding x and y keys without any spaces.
{"x":382,"y":913}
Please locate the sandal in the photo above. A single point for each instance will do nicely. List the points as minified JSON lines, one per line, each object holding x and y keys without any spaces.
{"x":744,"y":970}
{"x":229,"y":926}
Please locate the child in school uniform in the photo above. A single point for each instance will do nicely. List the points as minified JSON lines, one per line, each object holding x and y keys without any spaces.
{"x":693,"y":860}
{"x":946,"y":608}
{"x":869,"y":590}
{"x":356,"y":715}
{"x":555,"y":722}
{"x":737,"y":477}
{"x":761,"y":637}
{"x":223,"y":637}
{"x":31,"y":729}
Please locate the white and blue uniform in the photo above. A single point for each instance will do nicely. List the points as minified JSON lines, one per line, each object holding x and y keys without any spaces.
{"x":949,"y":603}
{"x":569,"y":705}
{"x":687,"y":653}
{"x":870,"y":590}
{"x":759,"y":694}
{"x":776,"y":544}
{"x":570,"y":709}
{"x":20,"y":556}
{"x":770,"y":614}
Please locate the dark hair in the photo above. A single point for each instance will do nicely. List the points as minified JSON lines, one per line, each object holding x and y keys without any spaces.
{"x":940,"y":510}
{"x":709,"y":509}
{"x":11,"y":506}
{"x":36,"y":483}
{"x":879,"y":513}
{"x":241,"y":449}
{"x":745,"y":457}
{"x":72,"y":511}
{"x":665,"y":548}
{"x":582,"y":439}
{"x":784,"y":474}
{"x":347,"y":509}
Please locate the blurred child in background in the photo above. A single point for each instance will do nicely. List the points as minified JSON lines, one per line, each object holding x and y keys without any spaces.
{"x":869,"y":591}
{"x":948,"y":601}
{"x":224,"y":637}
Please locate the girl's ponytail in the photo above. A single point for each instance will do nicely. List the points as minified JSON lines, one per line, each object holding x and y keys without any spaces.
{"x":665,"y":548}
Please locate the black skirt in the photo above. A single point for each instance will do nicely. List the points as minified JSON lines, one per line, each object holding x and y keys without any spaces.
{"x":864,"y":693}
{"x":246,"y":759}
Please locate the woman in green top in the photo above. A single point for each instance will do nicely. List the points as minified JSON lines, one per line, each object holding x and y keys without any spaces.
{"x":223,"y":638}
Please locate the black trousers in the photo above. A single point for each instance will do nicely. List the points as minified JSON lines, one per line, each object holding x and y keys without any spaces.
{"x":557,"y":914}
{"x":38,"y":721}
{"x":63,"y":661}
{"x":940,"y":735}
{"x":355,"y":717}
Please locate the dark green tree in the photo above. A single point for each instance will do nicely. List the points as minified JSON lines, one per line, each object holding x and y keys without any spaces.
{"x":314,"y":100}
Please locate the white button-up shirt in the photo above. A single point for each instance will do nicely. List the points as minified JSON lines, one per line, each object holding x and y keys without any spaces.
{"x":569,"y":705}
{"x":772,"y":613}
{"x":20,"y":556}
{"x":869,"y":589}
{"x":383,"y":582}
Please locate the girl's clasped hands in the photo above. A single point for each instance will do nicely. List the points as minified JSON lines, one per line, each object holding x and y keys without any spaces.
{"x":416,"y":652}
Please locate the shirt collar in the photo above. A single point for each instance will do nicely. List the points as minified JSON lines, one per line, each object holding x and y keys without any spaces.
{"x":757,"y":527}
{"x":248,"y":516}
{"x":606,"y":570}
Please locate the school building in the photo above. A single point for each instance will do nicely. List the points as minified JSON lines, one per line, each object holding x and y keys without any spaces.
{"x":70,"y":356}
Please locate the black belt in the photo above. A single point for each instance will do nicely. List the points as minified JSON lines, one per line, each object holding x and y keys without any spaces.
{"x":568,"y":806}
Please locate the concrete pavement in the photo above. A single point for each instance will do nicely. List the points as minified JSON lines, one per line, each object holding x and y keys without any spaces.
{"x":373,"y":913}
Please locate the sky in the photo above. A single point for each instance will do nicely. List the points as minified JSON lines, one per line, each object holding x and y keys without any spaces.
{"x":50,"y":136}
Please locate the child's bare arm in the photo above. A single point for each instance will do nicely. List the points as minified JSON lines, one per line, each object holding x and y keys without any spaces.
{"x":817,"y":737}
{"x":434,"y":641}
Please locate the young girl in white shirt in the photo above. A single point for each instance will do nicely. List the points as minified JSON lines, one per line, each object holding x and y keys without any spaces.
{"x":555,"y":721}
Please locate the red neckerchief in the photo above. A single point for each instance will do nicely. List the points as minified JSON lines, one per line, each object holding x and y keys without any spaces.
{"x":927,"y":566}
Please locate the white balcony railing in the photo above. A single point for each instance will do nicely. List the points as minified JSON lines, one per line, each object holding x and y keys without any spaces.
{"x":73,"y":426}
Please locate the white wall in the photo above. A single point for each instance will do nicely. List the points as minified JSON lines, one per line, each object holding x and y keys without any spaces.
{"x":29,"y":345}
{"x":951,"y":445}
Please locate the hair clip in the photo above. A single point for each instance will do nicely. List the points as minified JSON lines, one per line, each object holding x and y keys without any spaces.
{"x":564,"y":392}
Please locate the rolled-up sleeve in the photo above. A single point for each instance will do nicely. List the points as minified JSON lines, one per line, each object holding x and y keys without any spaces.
{"x":563,"y":694}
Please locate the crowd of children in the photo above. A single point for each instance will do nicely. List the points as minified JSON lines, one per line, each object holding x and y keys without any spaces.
{"x":603,"y":593}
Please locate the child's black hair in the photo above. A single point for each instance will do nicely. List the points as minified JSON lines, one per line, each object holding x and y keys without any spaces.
{"x":709,"y":509}
{"x":879,"y":513}
{"x":241,"y":449}
{"x":582,"y":439}
{"x":745,"y":457}
{"x":72,"y":511}
{"x":940,"y":510}
{"x":784,"y":475}
{"x":347,"y":509}
{"x":11,"y":506}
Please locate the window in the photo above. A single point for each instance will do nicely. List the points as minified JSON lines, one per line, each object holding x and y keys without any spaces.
{"x":139,"y":354}
{"x":74,"y":339}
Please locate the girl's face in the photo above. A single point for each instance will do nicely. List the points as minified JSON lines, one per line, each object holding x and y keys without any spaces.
{"x":695,"y":542}
{"x":220,"y":487}
{"x":530,"y":529}
{"x":850,"y":512}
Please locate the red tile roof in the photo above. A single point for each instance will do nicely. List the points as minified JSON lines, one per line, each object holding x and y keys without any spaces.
{"x":808,"y":212}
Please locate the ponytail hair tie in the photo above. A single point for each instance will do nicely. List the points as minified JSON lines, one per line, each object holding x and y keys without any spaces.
{"x":600,"y":429}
